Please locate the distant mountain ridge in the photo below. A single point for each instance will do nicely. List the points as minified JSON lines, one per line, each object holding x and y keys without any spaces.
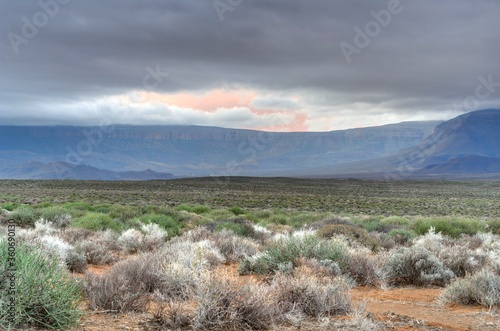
{"x":467,"y":144}
{"x":64,"y":170}
{"x":198,"y":151}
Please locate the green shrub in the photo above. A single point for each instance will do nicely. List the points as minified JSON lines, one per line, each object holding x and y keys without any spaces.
{"x":372,"y":223}
{"x":184,"y":207}
{"x":97,"y":222}
{"x":448,"y":226}
{"x":482,"y":288}
{"x":59,"y":216}
{"x":494,"y":226}
{"x":200,"y":209}
{"x":172,"y":226}
{"x":124,"y":213}
{"x":290,"y":250}
{"x":25,"y":216}
{"x":237,"y":210}
{"x":395,"y":221}
{"x":103,"y":208}
{"x":78,"y":206}
{"x":46,"y":296}
{"x":10,"y":206}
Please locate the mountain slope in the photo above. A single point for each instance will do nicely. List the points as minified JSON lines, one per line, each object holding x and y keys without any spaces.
{"x":63,"y":170}
{"x":202,"y":151}
{"x":469,"y":143}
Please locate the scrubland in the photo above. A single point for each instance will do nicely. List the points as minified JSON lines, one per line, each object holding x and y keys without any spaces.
{"x":248,"y":253}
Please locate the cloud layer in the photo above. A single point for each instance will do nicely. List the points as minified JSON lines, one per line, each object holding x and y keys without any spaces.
{"x":268,"y":64}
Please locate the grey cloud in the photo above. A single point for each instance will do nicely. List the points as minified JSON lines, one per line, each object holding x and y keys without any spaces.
{"x":427,"y":58}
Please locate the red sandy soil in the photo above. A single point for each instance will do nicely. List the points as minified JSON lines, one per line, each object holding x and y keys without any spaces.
{"x":399,"y":309}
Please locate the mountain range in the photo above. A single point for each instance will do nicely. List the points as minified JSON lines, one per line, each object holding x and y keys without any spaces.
{"x":468,"y":145}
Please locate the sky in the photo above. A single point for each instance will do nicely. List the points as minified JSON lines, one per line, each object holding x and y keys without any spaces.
{"x":278,"y":65}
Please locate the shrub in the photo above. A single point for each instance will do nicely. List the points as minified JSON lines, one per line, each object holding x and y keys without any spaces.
{"x":364,"y":269}
{"x":25,"y":216}
{"x":311,"y":296}
{"x":494,"y":226}
{"x":125,"y":286}
{"x":240,"y":226}
{"x":9,"y":206}
{"x":483,"y":288}
{"x":45,"y":294}
{"x":166,"y":222}
{"x":124,"y":213}
{"x":223,"y":305}
{"x":96,"y":222}
{"x":75,"y":235}
{"x":58,"y":216}
{"x":416,"y":266}
{"x":130,"y":241}
{"x":98,"y":249}
{"x":330,"y":221}
{"x":402,"y":236}
{"x":78,"y":206}
{"x":237,"y":210}
{"x":178,"y":281}
{"x":452,"y":227}
{"x":199,"y":209}
{"x":154,"y":237}
{"x":234,"y":248}
{"x":290,"y":249}
{"x":193,"y":255}
{"x":323,"y":268}
{"x":351,"y":232}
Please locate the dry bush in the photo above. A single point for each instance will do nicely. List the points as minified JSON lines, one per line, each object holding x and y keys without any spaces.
{"x":309,"y":295}
{"x":483,"y":288}
{"x":75,"y":235}
{"x":223,"y":305}
{"x":233,"y":247}
{"x":154,"y":237}
{"x":99,"y":248}
{"x":178,"y":281}
{"x":323,"y":268}
{"x":352,"y":233}
{"x":365,"y":269}
{"x":193,"y":255}
{"x":125,"y":286}
{"x":130,"y":241}
{"x":416,"y":266}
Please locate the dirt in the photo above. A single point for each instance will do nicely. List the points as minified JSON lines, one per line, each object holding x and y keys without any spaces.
{"x":398,"y":309}
{"x":419,"y":308}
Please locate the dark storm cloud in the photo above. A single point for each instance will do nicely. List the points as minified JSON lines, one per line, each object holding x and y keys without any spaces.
{"x":427,"y":58}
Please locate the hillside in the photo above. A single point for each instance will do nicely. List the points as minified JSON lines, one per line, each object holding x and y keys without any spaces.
{"x":463,"y":146}
{"x":197,"y":151}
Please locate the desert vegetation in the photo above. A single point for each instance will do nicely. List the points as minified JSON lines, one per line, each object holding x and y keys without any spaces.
{"x":235,"y":258}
